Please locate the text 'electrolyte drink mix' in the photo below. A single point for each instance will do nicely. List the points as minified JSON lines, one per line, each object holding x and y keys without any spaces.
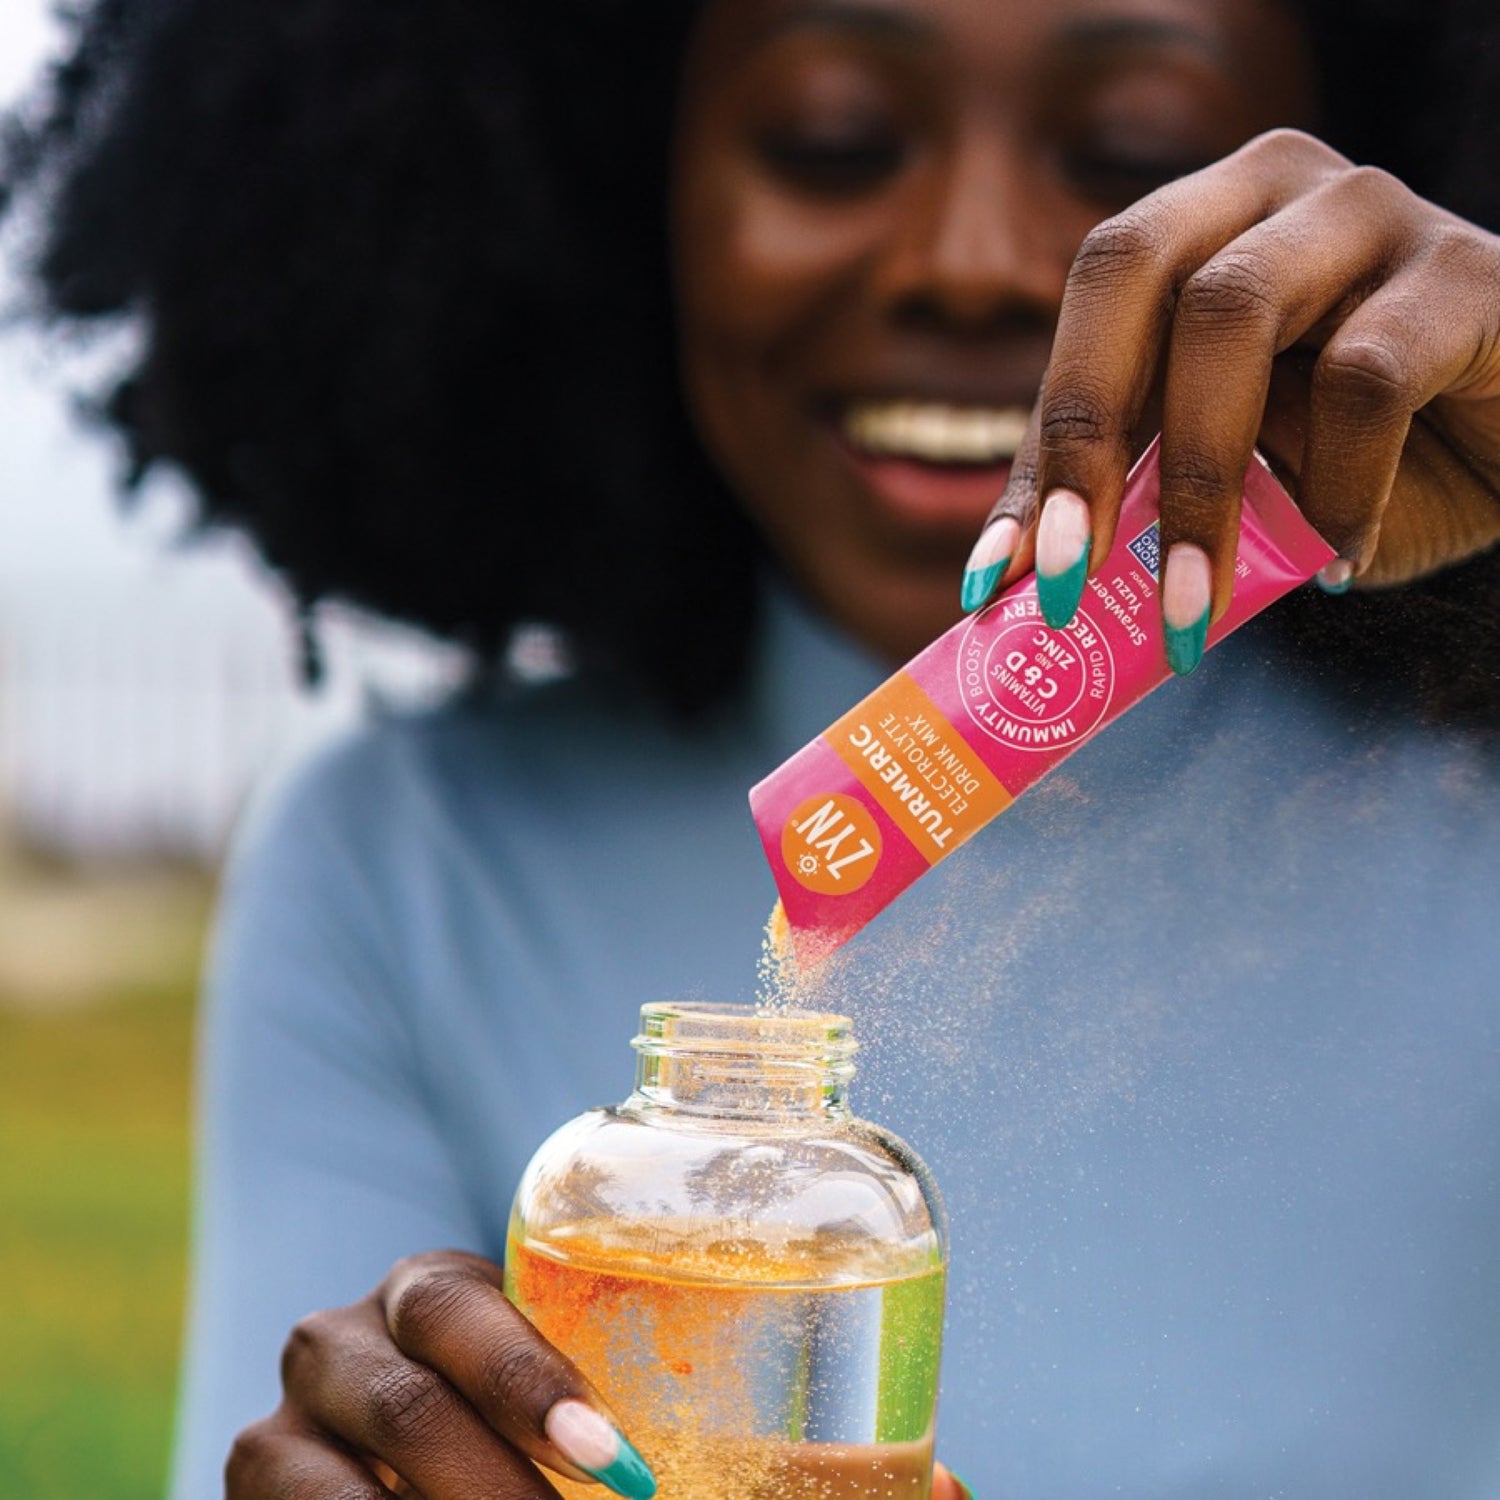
{"x":921,"y":765}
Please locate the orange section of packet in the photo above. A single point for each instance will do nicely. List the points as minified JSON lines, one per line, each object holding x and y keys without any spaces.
{"x":936,"y":805}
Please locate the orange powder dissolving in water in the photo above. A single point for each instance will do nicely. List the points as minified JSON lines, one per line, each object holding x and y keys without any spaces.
{"x":663,"y":1350}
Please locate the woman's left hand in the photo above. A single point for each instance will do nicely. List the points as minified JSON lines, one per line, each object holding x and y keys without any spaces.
{"x":1284,"y":297}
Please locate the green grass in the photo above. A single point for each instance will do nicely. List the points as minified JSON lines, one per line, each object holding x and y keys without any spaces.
{"x":93,"y":1223}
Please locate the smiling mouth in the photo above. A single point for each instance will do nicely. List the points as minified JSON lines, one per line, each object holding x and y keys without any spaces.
{"x":931,"y":432}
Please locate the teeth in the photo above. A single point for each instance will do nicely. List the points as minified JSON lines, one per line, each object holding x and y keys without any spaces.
{"x":934,"y":432}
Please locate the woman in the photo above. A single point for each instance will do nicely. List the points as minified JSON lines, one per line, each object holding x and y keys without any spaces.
{"x":1199,"y":1039}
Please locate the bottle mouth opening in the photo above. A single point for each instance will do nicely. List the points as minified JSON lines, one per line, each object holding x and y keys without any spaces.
{"x":714,"y":1029}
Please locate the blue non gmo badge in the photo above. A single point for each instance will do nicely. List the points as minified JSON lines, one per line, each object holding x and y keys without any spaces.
{"x":1146,"y":549}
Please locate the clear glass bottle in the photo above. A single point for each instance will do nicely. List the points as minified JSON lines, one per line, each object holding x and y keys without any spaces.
{"x":751,"y":1276}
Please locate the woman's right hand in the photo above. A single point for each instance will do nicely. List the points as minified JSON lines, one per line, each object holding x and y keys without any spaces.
{"x":434,"y":1383}
{"x":1282,"y":296}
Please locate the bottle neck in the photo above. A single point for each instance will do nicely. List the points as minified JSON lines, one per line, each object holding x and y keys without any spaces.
{"x":735,"y":1062}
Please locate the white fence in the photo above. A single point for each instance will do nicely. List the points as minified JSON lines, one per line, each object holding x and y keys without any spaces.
{"x":135,"y":717}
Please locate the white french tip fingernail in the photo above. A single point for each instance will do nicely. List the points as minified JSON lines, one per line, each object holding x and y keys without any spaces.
{"x":582,"y":1435}
{"x":1335,"y":577}
{"x":594,"y":1444}
{"x":1187,"y":586}
{"x":1062,"y":536}
{"x":992,"y":552}
{"x":997,"y":544}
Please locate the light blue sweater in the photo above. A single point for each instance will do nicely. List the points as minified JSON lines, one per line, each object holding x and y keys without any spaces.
{"x":1201,"y":1039}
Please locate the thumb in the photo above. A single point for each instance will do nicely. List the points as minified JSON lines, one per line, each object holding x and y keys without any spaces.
{"x":946,"y":1485}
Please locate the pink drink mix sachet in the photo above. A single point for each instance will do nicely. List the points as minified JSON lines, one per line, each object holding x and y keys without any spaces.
{"x":921,"y":765}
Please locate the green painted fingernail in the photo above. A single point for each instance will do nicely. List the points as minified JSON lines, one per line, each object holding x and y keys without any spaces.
{"x":979,"y":583}
{"x":592,"y":1443}
{"x":628,"y":1475}
{"x":1063,"y":537}
{"x":989,"y":559}
{"x":1059,"y":593}
{"x":963,"y":1484}
{"x":1185,"y":644}
{"x":1336,"y":577}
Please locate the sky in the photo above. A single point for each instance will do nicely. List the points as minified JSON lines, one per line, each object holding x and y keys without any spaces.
{"x":59,"y":514}
{"x":55,"y":508}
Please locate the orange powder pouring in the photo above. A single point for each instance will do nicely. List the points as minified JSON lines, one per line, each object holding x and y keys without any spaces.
{"x":780,"y":984}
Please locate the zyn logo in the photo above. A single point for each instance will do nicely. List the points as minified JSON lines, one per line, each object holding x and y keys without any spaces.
{"x":831,"y":844}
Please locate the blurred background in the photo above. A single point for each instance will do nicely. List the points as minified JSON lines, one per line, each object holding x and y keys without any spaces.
{"x":148,"y":688}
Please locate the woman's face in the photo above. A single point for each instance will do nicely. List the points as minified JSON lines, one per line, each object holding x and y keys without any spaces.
{"x":876,"y":205}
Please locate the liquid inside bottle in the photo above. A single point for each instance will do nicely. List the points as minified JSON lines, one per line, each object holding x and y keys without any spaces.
{"x":751,"y":1277}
